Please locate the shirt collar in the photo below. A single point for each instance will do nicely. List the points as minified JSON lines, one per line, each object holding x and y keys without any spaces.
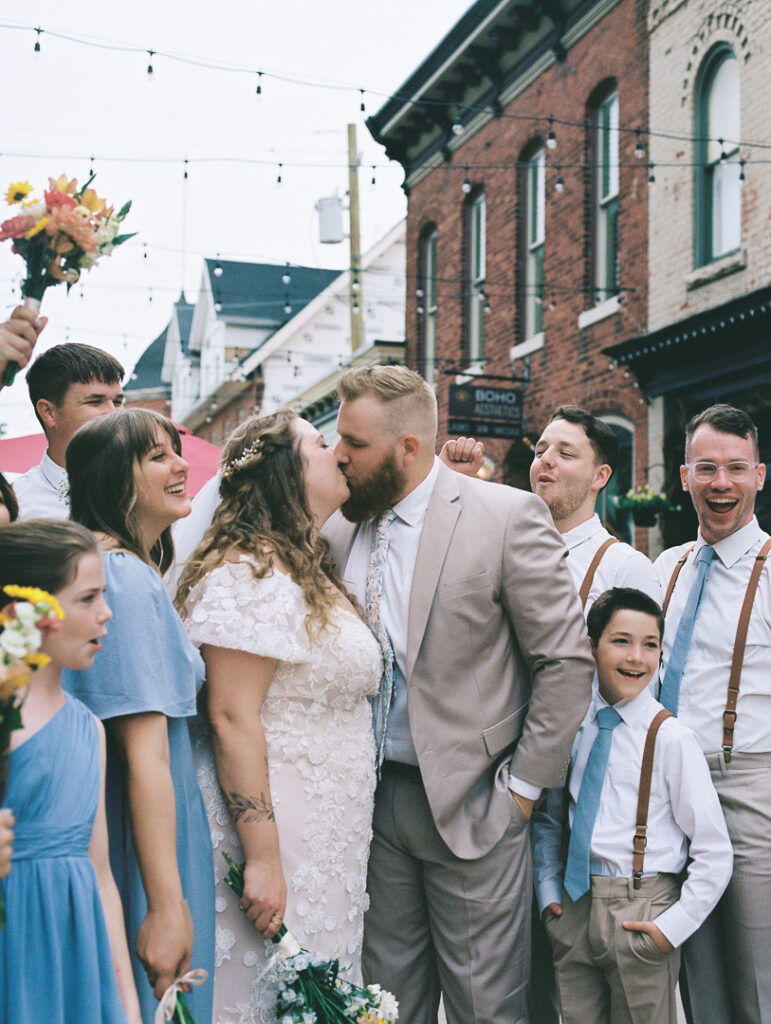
{"x":54,"y":475}
{"x":731,"y":548}
{"x":412,"y":508}
{"x":582,"y":532}
{"x":633,"y":710}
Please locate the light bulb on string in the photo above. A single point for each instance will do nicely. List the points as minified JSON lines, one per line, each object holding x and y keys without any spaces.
{"x":287,"y":305}
{"x":151,"y":54}
{"x":466,"y":186}
{"x":217,"y":304}
{"x":356,"y":284}
{"x":36,"y":47}
{"x":373,"y":182}
{"x":278,"y":176}
{"x":258,"y":90}
{"x":362,"y":108}
{"x":742,"y":178}
{"x":218,"y":271}
{"x":457,"y":125}
{"x":639,"y":149}
{"x":150,"y":296}
{"x":420,"y":310}
{"x":559,"y":185}
{"x":551,"y":138}
{"x":184,"y":176}
{"x":286,"y":277}
{"x":419,"y":293}
{"x":651,"y":175}
{"x":723,"y":156}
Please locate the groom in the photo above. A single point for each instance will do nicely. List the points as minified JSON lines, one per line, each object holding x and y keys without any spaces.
{"x":489,"y":675}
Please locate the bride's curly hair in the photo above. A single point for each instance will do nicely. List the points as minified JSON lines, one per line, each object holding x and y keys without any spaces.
{"x":263,"y":511}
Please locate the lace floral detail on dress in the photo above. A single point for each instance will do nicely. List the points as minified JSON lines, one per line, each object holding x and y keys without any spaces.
{"x":321,"y":753}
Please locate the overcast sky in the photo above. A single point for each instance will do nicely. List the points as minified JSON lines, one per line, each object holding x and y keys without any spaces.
{"x":75,"y":101}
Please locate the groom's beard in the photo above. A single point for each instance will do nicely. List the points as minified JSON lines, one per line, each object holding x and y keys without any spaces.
{"x":375,"y":494}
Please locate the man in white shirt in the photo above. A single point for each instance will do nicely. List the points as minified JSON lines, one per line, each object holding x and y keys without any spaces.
{"x":465,"y":582}
{"x":68,"y":385}
{"x":574,"y":458}
{"x":728,"y":962}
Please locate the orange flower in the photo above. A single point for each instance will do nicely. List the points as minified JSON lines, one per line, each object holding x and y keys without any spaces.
{"x":68,"y":226}
{"x":55,"y":199}
{"x":16,"y":226}
{"x":63,"y":184}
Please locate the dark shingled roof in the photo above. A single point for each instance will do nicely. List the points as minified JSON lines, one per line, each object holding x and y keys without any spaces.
{"x":147,"y":372}
{"x":256,"y":290}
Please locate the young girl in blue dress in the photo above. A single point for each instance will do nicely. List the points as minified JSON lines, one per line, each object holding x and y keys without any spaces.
{"x":128,"y":485}
{"x":63,"y":952}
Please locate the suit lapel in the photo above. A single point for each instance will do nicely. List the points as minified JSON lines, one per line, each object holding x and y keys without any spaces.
{"x":436,"y":535}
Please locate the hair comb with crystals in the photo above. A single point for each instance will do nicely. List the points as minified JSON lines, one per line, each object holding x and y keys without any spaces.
{"x":243,"y":458}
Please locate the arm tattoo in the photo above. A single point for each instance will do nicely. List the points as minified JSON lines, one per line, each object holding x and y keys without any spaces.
{"x":249,"y":808}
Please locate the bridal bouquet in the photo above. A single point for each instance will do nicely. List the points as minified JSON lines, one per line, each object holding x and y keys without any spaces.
{"x":309,"y":990}
{"x":21,"y":623}
{"x":60,"y":235}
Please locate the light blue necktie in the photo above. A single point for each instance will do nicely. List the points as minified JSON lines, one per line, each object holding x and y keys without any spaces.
{"x":577,"y":866}
{"x":378,"y":555}
{"x":670,"y":687}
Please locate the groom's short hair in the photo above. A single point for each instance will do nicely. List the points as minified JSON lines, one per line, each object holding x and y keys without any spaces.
{"x":410,"y":394}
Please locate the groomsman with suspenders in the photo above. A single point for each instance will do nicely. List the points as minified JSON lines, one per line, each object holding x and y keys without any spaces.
{"x":574,"y":458}
{"x":716,"y":676}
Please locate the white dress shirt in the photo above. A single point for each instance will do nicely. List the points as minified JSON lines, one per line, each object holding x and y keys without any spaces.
{"x":43,"y":491}
{"x":621,"y":565}
{"x":704,"y":685}
{"x":683,"y":806}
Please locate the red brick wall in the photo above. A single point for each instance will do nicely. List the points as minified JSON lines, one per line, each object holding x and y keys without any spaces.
{"x":226,"y":417}
{"x":570,"y":368}
{"x":161,"y":405}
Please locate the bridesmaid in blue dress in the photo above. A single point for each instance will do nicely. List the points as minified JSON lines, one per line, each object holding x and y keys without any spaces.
{"x":63,"y":952}
{"x":128,"y":484}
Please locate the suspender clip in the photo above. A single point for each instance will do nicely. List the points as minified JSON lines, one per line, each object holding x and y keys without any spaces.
{"x":637,"y":879}
{"x":727,"y":754}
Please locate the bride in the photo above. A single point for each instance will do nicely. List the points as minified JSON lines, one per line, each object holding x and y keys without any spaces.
{"x":286,"y":763}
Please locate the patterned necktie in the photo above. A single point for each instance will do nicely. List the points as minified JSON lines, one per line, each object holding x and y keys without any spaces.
{"x":378,"y":554}
{"x":670,"y":687}
{"x":577,"y":866}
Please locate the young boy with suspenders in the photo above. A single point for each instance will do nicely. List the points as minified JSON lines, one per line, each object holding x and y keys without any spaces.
{"x":610,"y":848}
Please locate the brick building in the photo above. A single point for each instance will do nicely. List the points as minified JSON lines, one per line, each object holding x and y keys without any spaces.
{"x":527,"y":213}
{"x":710,"y":246}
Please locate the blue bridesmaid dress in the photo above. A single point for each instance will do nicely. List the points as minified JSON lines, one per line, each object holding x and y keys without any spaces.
{"x":147,"y":664}
{"x":55,"y":963}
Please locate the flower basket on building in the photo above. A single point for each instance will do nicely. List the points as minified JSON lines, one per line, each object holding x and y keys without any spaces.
{"x":645,"y":504}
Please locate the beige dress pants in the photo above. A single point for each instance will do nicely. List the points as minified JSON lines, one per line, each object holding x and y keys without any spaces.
{"x":727,"y":963}
{"x":606,"y":974}
{"x":437,"y":923}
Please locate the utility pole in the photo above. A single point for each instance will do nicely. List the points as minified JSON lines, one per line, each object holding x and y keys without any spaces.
{"x":356,"y":298}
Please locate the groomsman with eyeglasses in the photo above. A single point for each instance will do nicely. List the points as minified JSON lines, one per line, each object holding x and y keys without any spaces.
{"x":716,"y":676}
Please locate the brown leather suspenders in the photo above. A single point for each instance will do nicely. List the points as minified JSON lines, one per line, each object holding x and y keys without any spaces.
{"x":586,"y":585}
{"x":640,"y":840}
{"x":729,"y":715}
{"x":740,"y":642}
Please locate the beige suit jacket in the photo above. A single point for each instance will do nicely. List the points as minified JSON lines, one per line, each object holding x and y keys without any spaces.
{"x":499,"y":669}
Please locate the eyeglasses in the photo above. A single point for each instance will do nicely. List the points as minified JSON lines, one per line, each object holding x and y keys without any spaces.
{"x":705,"y":472}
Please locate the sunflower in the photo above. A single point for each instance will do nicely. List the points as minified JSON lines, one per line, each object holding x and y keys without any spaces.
{"x":18,"y":193}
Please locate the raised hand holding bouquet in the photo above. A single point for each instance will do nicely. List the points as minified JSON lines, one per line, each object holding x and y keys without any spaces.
{"x":59,"y":236}
{"x":309,"y":990}
{"x":21,"y":624}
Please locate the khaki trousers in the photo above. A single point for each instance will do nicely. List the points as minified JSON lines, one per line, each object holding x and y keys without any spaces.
{"x":606,"y":974}
{"x":437,"y":923}
{"x":727,"y":963}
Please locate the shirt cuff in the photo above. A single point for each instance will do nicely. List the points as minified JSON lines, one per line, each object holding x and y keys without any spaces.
{"x":524,"y":788}
{"x":676,"y":924}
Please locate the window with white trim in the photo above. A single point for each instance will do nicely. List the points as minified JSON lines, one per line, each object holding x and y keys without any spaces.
{"x":475,"y":283}
{"x":535,"y":183}
{"x":606,"y":200}
{"x":427,"y":305}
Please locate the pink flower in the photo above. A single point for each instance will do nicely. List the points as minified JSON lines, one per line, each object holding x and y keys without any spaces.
{"x":67,"y":226}
{"x":56,"y":199}
{"x":16,"y":226}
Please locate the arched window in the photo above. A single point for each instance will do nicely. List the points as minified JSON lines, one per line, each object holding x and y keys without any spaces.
{"x":534,"y":237}
{"x":475,"y":278}
{"x":622,"y":478}
{"x":604,"y":205}
{"x":427,"y":304}
{"x":718,"y":206}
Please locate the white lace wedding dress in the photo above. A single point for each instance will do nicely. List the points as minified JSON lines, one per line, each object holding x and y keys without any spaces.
{"x":321,"y":758}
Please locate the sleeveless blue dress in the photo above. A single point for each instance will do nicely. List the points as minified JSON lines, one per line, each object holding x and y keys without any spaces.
{"x":147,"y":664}
{"x":55,"y":963}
